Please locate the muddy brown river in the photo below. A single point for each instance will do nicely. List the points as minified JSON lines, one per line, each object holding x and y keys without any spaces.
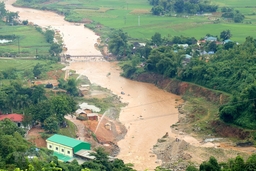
{"x":150,"y":111}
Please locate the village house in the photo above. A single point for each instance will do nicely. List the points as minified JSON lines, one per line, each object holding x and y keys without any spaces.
{"x":16,"y":118}
{"x":67,"y":149}
{"x":92,"y":116}
{"x":211,"y":39}
{"x":184,"y":46}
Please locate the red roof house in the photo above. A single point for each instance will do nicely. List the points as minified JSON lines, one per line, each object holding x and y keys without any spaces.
{"x":17,"y":118}
{"x":13,"y":117}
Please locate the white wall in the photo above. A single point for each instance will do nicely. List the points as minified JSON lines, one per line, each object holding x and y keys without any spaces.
{"x":53,"y":146}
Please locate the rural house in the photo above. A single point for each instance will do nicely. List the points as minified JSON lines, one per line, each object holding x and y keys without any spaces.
{"x":17,"y":118}
{"x":66,"y":148}
{"x":211,"y":39}
{"x":92,"y":116}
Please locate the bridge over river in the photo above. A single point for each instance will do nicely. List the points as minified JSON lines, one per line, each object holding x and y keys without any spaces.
{"x":82,"y":58}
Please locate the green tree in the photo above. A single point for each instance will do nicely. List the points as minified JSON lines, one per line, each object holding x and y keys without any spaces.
{"x":118,"y":43}
{"x":71,"y":87}
{"x":37,"y":70}
{"x":9,"y":128}
{"x":191,"y":168}
{"x":62,"y":105}
{"x":156,"y":39}
{"x":51,"y":124}
{"x":238,"y":164}
{"x":2,"y":10}
{"x":38,"y":94}
{"x":157,"y":10}
{"x":211,"y":165}
{"x":41,"y":111}
{"x":226,"y":34}
{"x":55,"y":49}
{"x":49,"y":35}
{"x":238,"y":17}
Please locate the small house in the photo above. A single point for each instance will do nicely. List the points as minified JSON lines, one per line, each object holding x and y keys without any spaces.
{"x":66,"y":148}
{"x":184,"y":46}
{"x":17,"y":118}
{"x":211,"y":52}
{"x":80,"y":111}
{"x":211,"y":39}
{"x":93,"y":116}
{"x":86,"y":106}
{"x":226,"y":41}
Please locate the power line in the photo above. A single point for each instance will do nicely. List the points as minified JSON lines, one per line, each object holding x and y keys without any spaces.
{"x":145,"y":104}
{"x":150,"y":117}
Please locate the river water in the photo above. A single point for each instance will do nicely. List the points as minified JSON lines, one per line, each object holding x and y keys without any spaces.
{"x":150,"y":111}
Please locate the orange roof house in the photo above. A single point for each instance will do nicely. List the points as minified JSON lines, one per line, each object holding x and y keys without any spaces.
{"x":17,"y":118}
{"x":13,"y":117}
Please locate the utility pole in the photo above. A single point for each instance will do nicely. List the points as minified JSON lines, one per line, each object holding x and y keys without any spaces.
{"x":19,"y":46}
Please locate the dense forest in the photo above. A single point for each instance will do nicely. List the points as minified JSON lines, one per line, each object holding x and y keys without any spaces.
{"x":236,"y":164}
{"x":161,"y":7}
{"x":230,"y":70}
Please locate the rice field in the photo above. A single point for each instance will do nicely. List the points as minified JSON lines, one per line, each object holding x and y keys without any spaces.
{"x":29,"y":41}
{"x":134,"y":17}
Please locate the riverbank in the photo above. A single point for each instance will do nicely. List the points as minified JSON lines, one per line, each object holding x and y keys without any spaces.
{"x":149,"y":114}
{"x":78,"y":39}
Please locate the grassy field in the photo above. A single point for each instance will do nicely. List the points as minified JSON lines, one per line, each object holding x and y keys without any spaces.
{"x":24,"y":67}
{"x":134,"y":18}
{"x":70,"y":131}
{"x":29,"y":42}
{"x":22,"y":64}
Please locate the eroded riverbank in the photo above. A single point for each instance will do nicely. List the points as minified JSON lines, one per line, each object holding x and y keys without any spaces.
{"x":148,"y":116}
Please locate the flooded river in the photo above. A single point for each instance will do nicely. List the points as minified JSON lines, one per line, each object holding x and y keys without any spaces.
{"x":150,"y":111}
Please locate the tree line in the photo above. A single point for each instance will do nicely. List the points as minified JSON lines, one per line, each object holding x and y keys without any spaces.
{"x":230,"y":13}
{"x":236,"y":164}
{"x":161,"y":7}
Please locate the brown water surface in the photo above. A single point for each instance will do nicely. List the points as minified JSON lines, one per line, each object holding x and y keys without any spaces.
{"x":78,"y":39}
{"x":148,"y":116}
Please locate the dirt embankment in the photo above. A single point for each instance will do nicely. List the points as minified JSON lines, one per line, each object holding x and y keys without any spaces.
{"x":177,"y":155}
{"x":180,"y":88}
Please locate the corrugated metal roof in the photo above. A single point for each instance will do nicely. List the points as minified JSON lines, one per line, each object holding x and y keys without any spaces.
{"x":64,"y":140}
{"x":92,"y":114}
{"x":85,"y":153}
{"x":62,"y":157}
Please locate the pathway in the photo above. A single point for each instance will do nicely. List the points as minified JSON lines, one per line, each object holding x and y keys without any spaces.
{"x":79,"y":125}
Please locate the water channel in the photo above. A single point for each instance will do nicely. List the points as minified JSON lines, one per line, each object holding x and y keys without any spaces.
{"x":150,"y":111}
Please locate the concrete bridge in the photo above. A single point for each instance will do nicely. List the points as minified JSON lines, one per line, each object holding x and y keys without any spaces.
{"x":82,"y":58}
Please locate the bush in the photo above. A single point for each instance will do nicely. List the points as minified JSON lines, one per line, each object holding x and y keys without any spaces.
{"x":81,"y":118}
